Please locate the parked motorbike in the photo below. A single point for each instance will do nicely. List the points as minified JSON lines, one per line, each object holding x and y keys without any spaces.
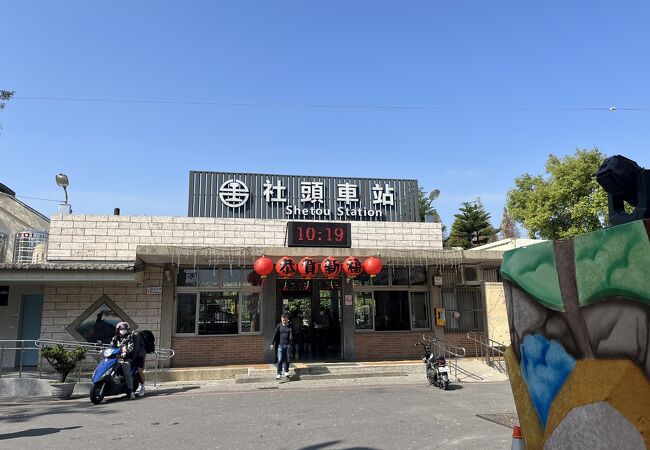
{"x":436,"y":367}
{"x":108,"y":378}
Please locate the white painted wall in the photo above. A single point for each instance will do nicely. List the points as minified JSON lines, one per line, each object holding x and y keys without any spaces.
{"x":116,"y":238}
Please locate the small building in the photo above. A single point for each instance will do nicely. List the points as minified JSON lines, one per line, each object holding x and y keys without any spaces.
{"x":191,"y":280}
{"x":20,"y":306}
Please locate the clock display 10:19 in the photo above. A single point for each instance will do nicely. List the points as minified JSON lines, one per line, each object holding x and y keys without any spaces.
{"x":328,"y":233}
{"x":319,"y":234}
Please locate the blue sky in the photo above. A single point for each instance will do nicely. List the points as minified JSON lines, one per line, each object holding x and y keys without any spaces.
{"x":524,"y":65}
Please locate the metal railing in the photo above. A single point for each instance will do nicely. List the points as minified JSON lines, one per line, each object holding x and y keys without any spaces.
{"x":492,"y":352}
{"x":19,"y":346}
{"x":92,"y":355}
{"x":451,"y":352}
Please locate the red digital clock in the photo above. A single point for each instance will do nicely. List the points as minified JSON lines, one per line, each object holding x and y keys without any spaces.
{"x":319,"y":234}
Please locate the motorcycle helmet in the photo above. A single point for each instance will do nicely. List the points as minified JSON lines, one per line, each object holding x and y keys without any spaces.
{"x":122,"y":328}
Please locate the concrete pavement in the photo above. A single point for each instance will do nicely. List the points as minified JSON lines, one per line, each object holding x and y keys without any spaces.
{"x":394,"y":413}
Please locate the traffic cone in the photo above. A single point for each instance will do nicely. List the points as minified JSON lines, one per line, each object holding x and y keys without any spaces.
{"x":517,"y":439}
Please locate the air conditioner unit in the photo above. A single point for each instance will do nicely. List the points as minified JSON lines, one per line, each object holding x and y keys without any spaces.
{"x":470,"y":276}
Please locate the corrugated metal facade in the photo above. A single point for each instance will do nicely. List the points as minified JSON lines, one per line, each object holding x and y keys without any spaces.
{"x":204,"y":200}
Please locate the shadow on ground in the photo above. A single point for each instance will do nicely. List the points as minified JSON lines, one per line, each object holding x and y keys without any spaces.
{"x":325,"y":445}
{"x":25,"y":411}
{"x":34,"y":432}
{"x":156,"y":393}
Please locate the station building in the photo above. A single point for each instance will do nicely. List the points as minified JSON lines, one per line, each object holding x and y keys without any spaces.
{"x":191,"y":280}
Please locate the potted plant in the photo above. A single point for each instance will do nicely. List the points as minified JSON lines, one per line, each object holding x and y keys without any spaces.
{"x":63,"y":361}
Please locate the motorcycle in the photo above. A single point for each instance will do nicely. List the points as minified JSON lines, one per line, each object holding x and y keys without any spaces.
{"x":436,"y":367}
{"x":108,"y":378}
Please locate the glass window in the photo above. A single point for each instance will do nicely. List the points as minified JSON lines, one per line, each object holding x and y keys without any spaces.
{"x":451,"y":308}
{"x":99,"y":325}
{"x":186,"y":313}
{"x":418,"y":276}
{"x":391,"y":310}
{"x":419,"y":310}
{"x":231,"y":277}
{"x":208,"y":277}
{"x":186,"y":277}
{"x":252,"y":278}
{"x":218,"y":313}
{"x":363,"y":311}
{"x":362,"y":280}
{"x":250,"y":312}
{"x":382,"y":278}
{"x":400,"y":276}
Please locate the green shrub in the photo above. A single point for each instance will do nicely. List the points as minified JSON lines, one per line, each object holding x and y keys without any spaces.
{"x":64,"y":361}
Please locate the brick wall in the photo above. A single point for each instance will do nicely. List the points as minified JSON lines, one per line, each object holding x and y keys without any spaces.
{"x":62,"y":304}
{"x":217,"y":350}
{"x":460,"y":340}
{"x":115,"y":238}
{"x":378,"y":346}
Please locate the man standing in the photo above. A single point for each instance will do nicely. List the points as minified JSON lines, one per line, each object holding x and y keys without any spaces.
{"x":283,"y":341}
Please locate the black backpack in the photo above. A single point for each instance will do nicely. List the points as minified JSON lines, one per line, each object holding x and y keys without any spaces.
{"x":146,"y":341}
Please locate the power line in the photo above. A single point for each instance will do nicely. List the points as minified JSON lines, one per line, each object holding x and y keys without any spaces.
{"x":331,"y":106}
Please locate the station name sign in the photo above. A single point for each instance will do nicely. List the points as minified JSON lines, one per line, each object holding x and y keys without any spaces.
{"x":220,"y":194}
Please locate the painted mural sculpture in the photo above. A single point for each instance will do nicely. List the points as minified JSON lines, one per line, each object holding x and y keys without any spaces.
{"x":579,"y":318}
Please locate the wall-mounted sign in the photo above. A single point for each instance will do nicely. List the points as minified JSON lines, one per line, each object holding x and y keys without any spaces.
{"x":319,"y":234}
{"x":219,"y":194}
{"x":154,"y":290}
{"x":348,"y":300}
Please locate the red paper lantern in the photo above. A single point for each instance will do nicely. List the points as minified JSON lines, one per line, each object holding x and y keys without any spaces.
{"x":330,"y":267}
{"x":285,"y":267}
{"x":372,"y":266}
{"x":307,"y":267}
{"x":263,"y":266}
{"x":352,"y":266}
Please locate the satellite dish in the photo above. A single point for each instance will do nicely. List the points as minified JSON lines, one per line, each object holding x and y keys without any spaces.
{"x":434,"y":194}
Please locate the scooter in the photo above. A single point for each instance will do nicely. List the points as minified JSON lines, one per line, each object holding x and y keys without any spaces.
{"x":108,"y":378}
{"x":436,"y":367}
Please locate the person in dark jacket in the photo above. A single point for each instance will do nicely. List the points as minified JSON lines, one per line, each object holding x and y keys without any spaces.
{"x":123,"y":340}
{"x":283,"y":341}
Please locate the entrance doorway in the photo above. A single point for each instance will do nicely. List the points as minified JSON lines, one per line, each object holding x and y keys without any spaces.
{"x":31,"y":312}
{"x":314,"y":308}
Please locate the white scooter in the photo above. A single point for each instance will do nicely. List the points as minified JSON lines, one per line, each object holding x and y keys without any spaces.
{"x":436,"y":367}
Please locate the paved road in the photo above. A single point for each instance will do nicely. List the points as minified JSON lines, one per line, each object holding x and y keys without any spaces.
{"x":291,"y":416}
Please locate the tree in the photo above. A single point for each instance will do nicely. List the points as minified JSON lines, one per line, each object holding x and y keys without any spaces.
{"x":4,"y":96}
{"x":471,"y":227}
{"x":424,"y":202}
{"x":566,"y":203}
{"x":425,"y":208}
{"x":508,"y":226}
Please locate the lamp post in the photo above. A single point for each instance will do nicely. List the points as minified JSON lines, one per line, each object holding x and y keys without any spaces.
{"x":62,"y":180}
{"x":435,"y":217}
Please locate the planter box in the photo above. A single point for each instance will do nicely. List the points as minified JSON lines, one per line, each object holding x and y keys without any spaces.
{"x":62,"y":391}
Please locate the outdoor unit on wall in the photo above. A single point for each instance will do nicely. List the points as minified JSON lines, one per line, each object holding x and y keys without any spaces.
{"x":470,"y":276}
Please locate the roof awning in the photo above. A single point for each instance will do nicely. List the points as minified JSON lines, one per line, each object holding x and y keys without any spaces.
{"x":240,"y":256}
{"x":68,"y":271}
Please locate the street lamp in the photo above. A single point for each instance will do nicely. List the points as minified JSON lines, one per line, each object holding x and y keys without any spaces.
{"x":62,"y":180}
{"x":435,"y":217}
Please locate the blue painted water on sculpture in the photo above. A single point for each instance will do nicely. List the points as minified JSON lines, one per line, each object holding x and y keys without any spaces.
{"x":545,"y":366}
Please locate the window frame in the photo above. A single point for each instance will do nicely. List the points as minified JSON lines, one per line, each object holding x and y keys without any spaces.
{"x":241,"y":289}
{"x":409,"y":288}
